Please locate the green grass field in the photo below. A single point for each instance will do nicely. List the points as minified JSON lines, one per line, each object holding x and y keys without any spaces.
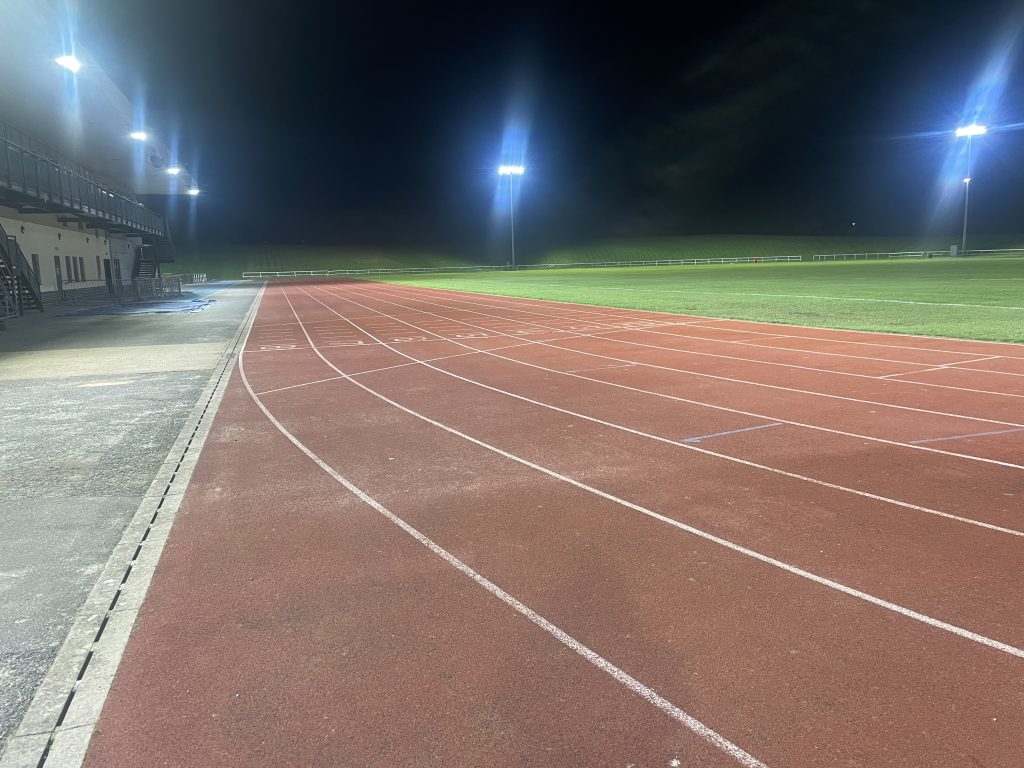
{"x":974,"y":298}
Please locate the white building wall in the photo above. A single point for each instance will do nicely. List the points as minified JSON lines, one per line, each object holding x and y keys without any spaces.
{"x":46,"y":237}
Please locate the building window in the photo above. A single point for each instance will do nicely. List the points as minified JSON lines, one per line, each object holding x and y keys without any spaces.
{"x":35,"y":265}
{"x":99,"y":270}
{"x":70,"y":270}
{"x":81,"y":266}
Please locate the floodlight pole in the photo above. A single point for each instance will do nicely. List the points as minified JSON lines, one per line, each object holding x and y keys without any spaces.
{"x":967,"y":199}
{"x":512,"y":219}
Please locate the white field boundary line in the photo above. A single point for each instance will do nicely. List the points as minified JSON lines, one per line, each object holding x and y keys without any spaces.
{"x":58,"y":725}
{"x":776,"y":296}
{"x":752,"y":342}
{"x":623,"y":678}
{"x":607,"y":337}
{"x":738,"y":548}
{"x":602,"y":337}
{"x":709,"y":319}
{"x":677,"y":398}
{"x":688,"y":444}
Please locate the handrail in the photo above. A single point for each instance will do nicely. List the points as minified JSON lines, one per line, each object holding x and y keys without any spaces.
{"x":40,"y":177}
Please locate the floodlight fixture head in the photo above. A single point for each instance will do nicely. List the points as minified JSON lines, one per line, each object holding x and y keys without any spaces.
{"x":511,"y":170}
{"x":194,"y":191}
{"x":174,"y":170}
{"x":967,"y":131}
{"x":69,"y":63}
{"x":138,"y":135}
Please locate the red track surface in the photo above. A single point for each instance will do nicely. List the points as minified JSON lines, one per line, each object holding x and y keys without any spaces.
{"x":588,"y":536}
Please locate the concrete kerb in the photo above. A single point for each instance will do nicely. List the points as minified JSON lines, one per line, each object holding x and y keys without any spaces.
{"x":60,"y":720}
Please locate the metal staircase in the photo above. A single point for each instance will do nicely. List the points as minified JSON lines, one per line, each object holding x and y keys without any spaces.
{"x":19,"y":284}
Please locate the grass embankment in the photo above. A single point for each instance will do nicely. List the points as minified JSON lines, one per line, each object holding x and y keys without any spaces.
{"x":230,"y":262}
{"x":749,"y":246}
{"x":973,"y":298}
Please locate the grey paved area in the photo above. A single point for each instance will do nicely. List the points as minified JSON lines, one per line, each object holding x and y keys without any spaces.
{"x":89,"y":406}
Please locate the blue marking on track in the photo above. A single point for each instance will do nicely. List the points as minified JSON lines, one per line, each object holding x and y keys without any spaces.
{"x":731,"y":432}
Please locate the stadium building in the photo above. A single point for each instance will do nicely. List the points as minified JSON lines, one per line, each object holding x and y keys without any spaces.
{"x":76,"y":155}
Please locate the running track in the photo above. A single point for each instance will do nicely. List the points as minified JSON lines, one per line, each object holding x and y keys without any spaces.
{"x":451,"y":529}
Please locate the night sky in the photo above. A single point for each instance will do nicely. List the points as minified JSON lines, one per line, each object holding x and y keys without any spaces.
{"x":382,"y":123}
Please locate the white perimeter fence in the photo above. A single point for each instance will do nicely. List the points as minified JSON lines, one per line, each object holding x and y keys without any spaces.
{"x":645,"y":263}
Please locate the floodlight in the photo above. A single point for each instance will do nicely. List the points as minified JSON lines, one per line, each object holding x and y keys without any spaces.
{"x":971,"y":130}
{"x":69,"y":63}
{"x":174,"y":170}
{"x":139,"y":135}
{"x":967,"y":180}
{"x":511,"y":170}
{"x":193,"y":191}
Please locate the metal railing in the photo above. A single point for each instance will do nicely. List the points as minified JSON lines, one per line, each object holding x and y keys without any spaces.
{"x":564,"y":265}
{"x":35,"y":175}
{"x":114,"y":291}
{"x":912,"y":254}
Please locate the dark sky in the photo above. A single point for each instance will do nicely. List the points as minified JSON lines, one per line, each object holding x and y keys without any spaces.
{"x":382,"y":122}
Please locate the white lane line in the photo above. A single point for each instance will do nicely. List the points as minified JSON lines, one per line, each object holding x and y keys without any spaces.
{"x":756,"y":383}
{"x":602,"y":367}
{"x":620,"y":676}
{"x":691,"y":446}
{"x":741,"y":342}
{"x":676,"y":398}
{"x":766,"y":559}
{"x":706,"y":319}
{"x":607,"y":337}
{"x":964,"y":437}
{"x":947,"y":366}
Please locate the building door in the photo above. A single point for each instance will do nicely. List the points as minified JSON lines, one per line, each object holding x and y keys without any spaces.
{"x":108,"y":275}
{"x":56,"y":271}
{"x":35,"y":267}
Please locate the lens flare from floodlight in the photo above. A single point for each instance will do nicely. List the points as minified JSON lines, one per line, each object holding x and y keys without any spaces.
{"x":966,"y":131}
{"x":138,"y":135}
{"x":194,"y":191}
{"x":69,"y":63}
{"x":511,"y":170}
{"x":174,"y":170}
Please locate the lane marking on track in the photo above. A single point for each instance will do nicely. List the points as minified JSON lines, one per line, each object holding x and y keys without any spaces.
{"x":723,"y":408}
{"x":603,"y":367}
{"x":947,"y":366}
{"x":747,"y":360}
{"x":739,"y":548}
{"x":706,"y":319}
{"x":692,"y":447}
{"x":620,"y":676}
{"x":731,"y":432}
{"x":963,"y":437}
{"x":756,"y":362}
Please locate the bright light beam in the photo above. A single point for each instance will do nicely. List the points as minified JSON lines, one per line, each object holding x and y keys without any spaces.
{"x":966,"y":131}
{"x":69,"y":63}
